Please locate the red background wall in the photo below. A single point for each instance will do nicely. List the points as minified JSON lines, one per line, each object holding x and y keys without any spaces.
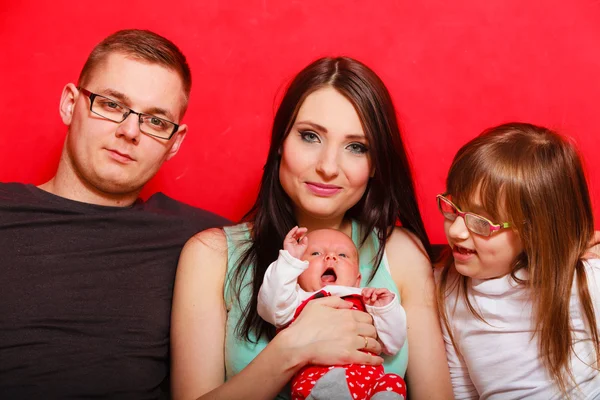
{"x":453,"y":68}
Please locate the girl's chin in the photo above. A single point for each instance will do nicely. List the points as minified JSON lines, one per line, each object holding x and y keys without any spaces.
{"x":465,"y":269}
{"x":477,"y":272}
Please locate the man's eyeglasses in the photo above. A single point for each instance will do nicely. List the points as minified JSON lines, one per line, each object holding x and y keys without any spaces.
{"x":474,"y":223}
{"x":116,"y":112}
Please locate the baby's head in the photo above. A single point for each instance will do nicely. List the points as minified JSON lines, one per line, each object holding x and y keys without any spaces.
{"x":333,"y":260}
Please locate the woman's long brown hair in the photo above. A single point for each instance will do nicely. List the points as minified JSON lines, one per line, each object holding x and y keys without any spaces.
{"x":389,"y":198}
{"x":534,"y":178}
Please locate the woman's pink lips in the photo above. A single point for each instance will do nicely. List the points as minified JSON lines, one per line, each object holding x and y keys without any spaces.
{"x":321,"y":189}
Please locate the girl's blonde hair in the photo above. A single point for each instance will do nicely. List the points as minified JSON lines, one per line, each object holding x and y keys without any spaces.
{"x":533,"y":178}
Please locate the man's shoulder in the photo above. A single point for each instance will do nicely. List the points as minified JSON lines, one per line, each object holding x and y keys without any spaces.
{"x":160,"y":203}
{"x":13,"y":187}
{"x":14,"y":191}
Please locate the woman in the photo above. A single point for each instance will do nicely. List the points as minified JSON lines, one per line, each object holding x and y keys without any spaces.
{"x":337,"y":161}
{"x":517,"y":296}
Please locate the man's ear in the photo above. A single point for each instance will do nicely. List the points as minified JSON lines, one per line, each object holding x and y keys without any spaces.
{"x":67,"y":103}
{"x":179,"y":136}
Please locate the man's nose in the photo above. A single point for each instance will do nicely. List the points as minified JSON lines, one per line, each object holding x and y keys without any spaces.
{"x":130,"y":128}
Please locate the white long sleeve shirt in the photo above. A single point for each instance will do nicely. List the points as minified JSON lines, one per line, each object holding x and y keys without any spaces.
{"x":280,"y":295}
{"x":499,"y":360}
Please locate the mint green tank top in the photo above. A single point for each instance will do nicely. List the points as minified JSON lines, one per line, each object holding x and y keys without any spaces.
{"x":239,"y":352}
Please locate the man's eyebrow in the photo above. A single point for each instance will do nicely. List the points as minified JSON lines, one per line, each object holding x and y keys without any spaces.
{"x":159,"y":111}
{"x":123,"y":98}
{"x":324,"y":130}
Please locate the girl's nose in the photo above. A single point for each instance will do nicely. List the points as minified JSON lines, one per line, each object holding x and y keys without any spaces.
{"x":458,"y":229}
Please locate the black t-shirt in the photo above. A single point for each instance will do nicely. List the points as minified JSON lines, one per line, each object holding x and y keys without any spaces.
{"x":85,"y":294}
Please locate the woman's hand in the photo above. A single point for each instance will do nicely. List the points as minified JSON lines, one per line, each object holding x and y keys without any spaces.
{"x":328,"y":332}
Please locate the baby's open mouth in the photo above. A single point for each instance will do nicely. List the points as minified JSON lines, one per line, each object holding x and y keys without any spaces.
{"x":329,"y":276}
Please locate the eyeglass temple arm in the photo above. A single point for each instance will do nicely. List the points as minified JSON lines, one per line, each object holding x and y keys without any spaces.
{"x":500,"y":226}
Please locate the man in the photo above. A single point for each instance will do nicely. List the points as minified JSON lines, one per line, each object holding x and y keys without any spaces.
{"x":87,"y":269}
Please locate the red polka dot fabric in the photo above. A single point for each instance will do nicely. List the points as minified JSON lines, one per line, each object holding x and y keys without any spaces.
{"x":363,"y":381}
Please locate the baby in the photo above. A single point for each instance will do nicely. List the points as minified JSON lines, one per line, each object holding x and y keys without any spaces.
{"x":325,"y":263}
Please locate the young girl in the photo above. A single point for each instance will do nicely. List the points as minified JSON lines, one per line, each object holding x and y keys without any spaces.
{"x":518,"y":301}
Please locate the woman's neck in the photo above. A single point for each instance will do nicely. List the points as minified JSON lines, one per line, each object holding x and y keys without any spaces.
{"x":312,"y":224}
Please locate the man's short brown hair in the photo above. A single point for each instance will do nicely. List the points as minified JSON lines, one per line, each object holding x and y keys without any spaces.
{"x":144,"y":46}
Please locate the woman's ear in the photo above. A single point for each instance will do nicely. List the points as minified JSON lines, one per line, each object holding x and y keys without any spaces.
{"x":68,"y":98}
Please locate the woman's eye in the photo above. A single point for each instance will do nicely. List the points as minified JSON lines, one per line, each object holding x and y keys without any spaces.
{"x":357,"y":148}
{"x":309,"y":136}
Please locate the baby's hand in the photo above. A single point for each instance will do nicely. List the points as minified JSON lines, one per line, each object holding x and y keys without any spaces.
{"x":295,"y":242}
{"x":377,"y":297}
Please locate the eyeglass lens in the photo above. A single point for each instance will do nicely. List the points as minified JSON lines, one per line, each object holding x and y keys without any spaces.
{"x":474,"y":223}
{"x":149,"y":124}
